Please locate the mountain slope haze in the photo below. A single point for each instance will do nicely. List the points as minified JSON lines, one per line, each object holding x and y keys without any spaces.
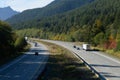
{"x":6,"y":13}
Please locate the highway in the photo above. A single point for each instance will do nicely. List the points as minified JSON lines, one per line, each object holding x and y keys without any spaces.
{"x":108,"y":67}
{"x":27,"y":66}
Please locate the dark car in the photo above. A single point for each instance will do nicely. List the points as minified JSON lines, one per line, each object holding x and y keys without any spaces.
{"x":35,"y":44}
{"x":78,"y":48}
{"x":74,"y":46}
{"x":36,"y":53}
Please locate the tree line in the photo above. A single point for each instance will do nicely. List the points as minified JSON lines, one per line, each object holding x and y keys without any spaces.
{"x":96,"y":23}
{"x":10,"y":42}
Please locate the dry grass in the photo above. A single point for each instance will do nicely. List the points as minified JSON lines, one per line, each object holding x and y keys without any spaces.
{"x":63,"y":65}
{"x":112,"y":53}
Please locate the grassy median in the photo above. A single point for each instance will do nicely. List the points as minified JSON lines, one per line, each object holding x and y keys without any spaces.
{"x":63,"y":65}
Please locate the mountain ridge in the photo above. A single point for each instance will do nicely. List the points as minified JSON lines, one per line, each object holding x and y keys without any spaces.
{"x":7,"y":12}
{"x":96,"y":22}
{"x":56,"y":7}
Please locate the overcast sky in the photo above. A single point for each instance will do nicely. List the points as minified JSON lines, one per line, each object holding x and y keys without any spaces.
{"x":20,"y":5}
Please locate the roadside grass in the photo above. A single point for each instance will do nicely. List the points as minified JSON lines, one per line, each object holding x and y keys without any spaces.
{"x":109,"y":52}
{"x":12,"y":57}
{"x":79,"y":43}
{"x":113,"y":53}
{"x":63,"y":65}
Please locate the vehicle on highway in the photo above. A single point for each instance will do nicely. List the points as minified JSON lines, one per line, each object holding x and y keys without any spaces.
{"x":78,"y":48}
{"x":36,"y":53}
{"x":35,"y":44}
{"x":86,"y":47}
{"x":74,"y":46}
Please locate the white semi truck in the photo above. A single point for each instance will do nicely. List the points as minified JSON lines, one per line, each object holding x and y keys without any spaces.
{"x":86,"y":47}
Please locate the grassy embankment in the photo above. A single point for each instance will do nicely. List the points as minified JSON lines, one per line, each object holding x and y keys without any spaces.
{"x":10,"y":58}
{"x":109,"y":52}
{"x":113,"y":53}
{"x":63,"y":65}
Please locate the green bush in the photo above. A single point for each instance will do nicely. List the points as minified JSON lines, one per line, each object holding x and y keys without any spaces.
{"x":99,"y":39}
{"x":20,"y":43}
{"x":118,"y":46}
{"x":6,"y":47}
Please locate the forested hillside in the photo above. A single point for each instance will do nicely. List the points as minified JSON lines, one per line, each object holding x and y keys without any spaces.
{"x":56,"y":7}
{"x":96,"y":23}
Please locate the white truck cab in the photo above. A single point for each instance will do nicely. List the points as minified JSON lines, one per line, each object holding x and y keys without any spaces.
{"x":86,"y":46}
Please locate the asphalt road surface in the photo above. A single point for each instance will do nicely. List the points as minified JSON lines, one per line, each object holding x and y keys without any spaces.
{"x":27,"y":66}
{"x":105,"y":65}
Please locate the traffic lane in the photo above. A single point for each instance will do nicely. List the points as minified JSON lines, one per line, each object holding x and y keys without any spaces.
{"x":105,"y":65}
{"x":102,"y":65}
{"x":14,"y":61}
{"x":108,"y":68}
{"x":26,"y":67}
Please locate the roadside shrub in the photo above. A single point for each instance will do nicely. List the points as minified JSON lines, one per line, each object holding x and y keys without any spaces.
{"x":118,"y":46}
{"x":99,"y":39}
{"x":6,"y":47}
{"x":20,"y":43}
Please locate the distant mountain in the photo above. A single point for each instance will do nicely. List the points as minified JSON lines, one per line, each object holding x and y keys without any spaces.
{"x":96,"y":22}
{"x":6,"y":13}
{"x":56,"y":7}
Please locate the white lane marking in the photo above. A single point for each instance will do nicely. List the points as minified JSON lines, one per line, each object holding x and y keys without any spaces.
{"x":12,"y":63}
{"x":107,"y":57}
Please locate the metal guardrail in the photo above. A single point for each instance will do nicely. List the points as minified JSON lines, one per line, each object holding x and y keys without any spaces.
{"x":90,"y":67}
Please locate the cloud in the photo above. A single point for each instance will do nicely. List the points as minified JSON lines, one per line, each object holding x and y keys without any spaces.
{"x":21,"y":5}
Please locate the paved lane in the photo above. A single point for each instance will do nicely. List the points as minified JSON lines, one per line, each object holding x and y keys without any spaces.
{"x":26,"y":67}
{"x":107,"y":66}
